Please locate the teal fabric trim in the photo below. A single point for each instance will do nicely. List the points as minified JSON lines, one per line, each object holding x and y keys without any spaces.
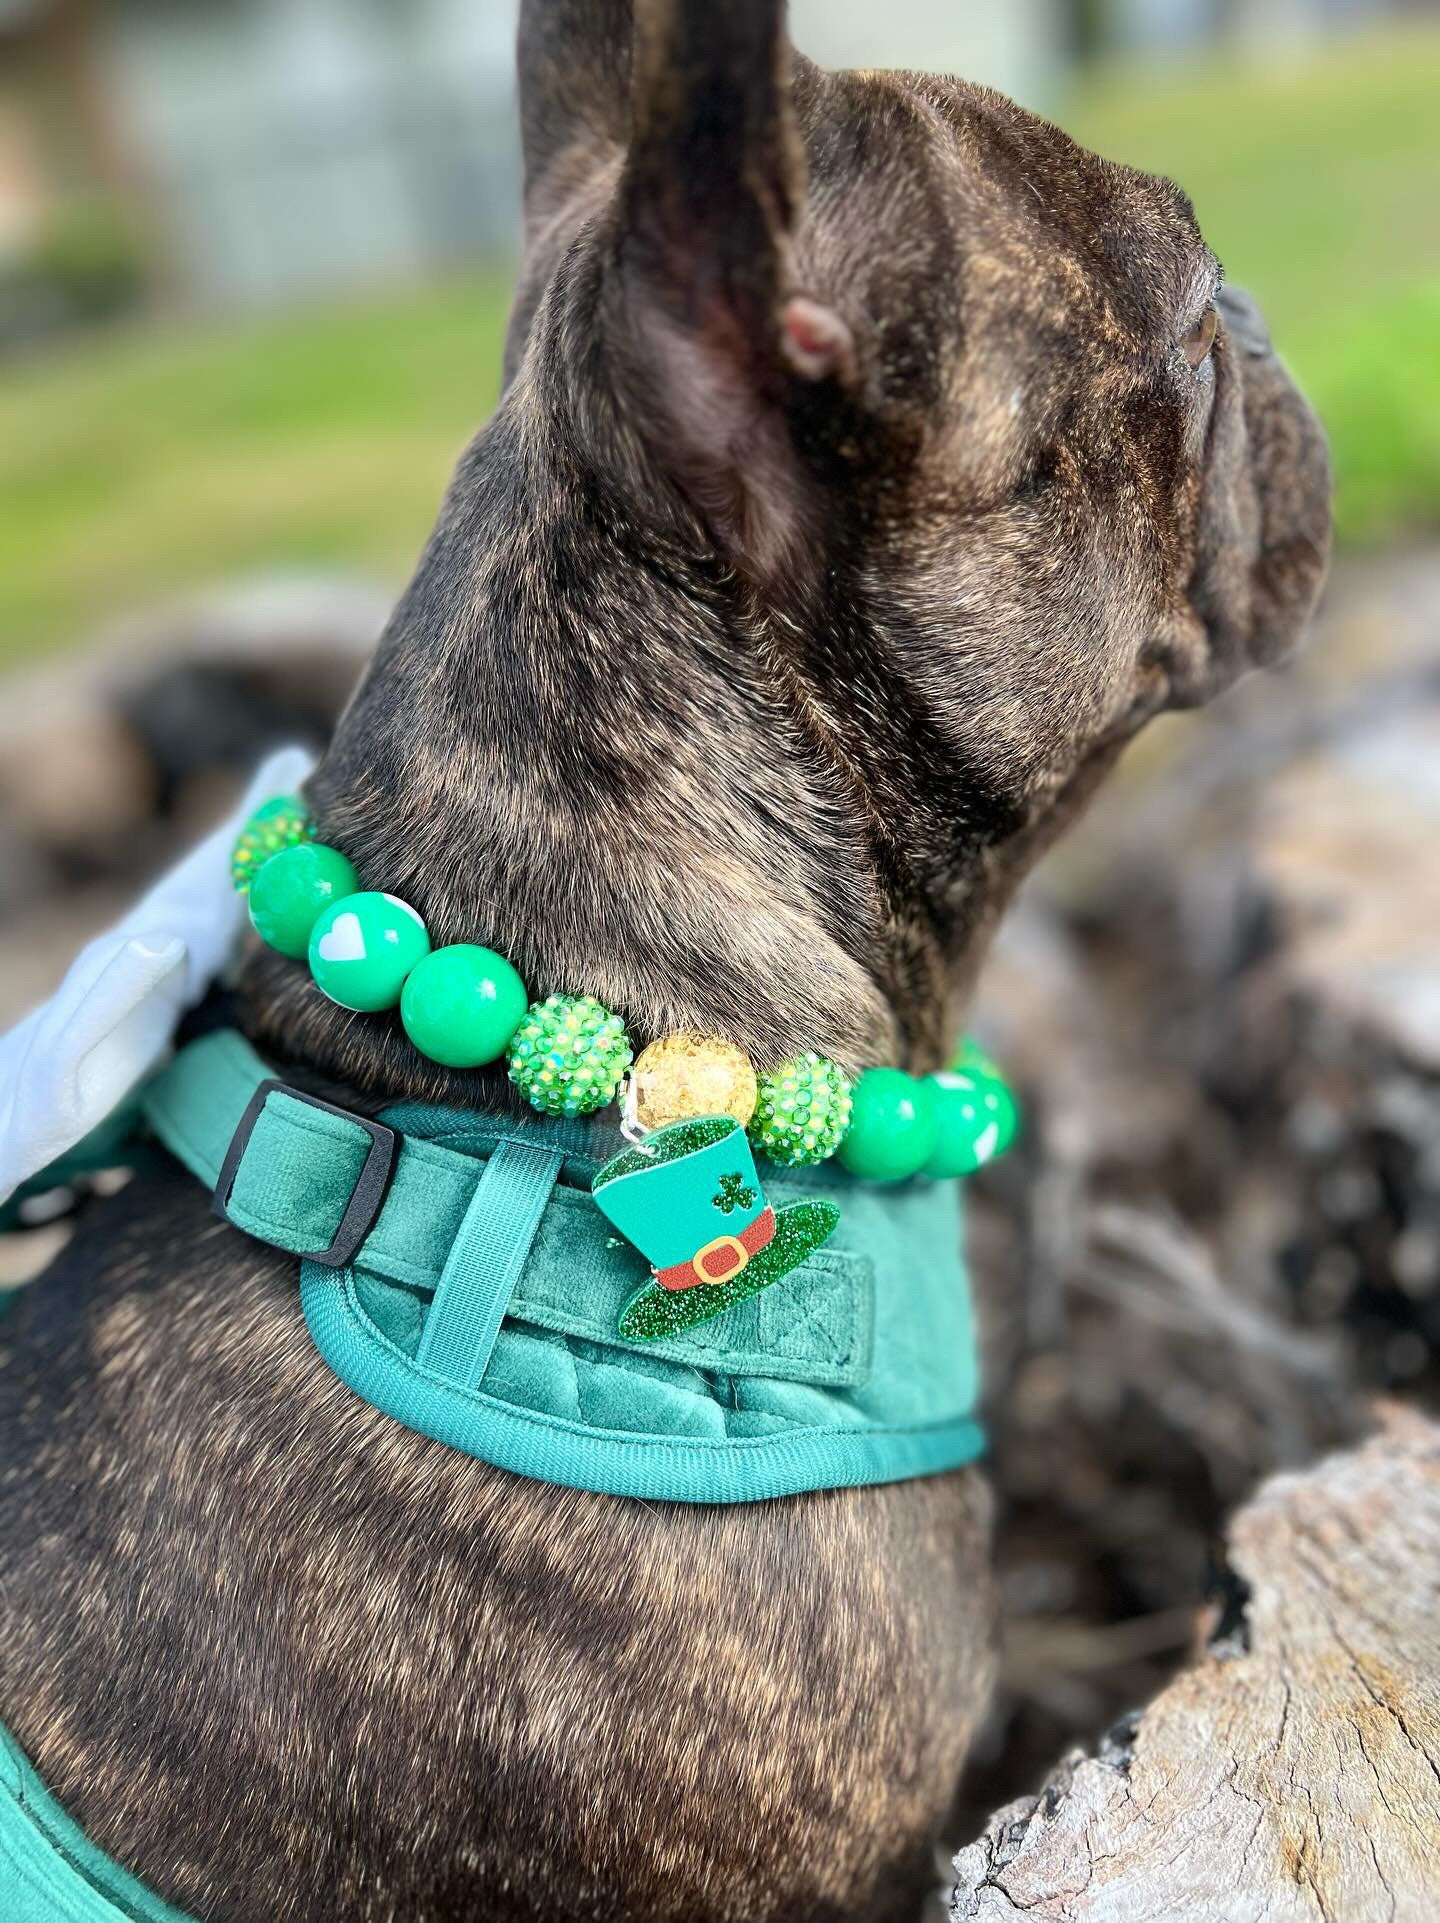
{"x":50,"y":1871}
{"x":549,"y":1447}
{"x":492,"y":1325}
{"x":485,"y":1261}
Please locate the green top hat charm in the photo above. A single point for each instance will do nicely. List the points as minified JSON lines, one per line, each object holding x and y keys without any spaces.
{"x":689,"y":1199}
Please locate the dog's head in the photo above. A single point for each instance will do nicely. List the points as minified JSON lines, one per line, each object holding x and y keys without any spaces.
{"x":934,"y":372}
{"x":921,"y":444}
{"x":891,"y":329}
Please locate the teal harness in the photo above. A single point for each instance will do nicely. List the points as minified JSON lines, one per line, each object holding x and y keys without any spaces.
{"x":50,"y":1871}
{"x":456,"y":1274}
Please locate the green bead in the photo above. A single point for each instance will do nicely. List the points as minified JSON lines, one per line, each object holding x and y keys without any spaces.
{"x":280,"y":823}
{"x":461,"y":1005}
{"x":362,"y":948}
{"x":976,"y":1118}
{"x":569,"y":1055}
{"x":971,"y":1059}
{"x":802,"y":1110}
{"x":293,"y":890}
{"x":892,"y":1131}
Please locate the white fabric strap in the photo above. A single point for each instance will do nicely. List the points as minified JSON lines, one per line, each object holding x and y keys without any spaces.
{"x":69,"y":1063}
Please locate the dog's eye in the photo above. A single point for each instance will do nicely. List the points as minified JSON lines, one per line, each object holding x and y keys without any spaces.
{"x":1196,"y":344}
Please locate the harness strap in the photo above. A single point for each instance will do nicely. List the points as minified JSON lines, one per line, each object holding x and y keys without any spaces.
{"x":299,"y":1169}
{"x":485,"y":1261}
{"x":460,"y":1224}
{"x":290,"y":1171}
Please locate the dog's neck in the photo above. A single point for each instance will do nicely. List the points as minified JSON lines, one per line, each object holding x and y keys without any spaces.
{"x":588,"y":742}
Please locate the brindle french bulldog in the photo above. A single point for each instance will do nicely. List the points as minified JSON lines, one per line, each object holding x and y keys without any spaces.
{"x":870,"y":466}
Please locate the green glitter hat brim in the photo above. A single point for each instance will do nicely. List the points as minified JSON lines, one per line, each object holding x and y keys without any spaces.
{"x":654,"y":1313}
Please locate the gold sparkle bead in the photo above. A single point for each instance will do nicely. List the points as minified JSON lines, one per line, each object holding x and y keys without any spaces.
{"x":683,"y":1077}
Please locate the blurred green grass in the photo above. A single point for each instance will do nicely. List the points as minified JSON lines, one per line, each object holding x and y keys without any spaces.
{"x":142,"y":464}
{"x":136,"y":465}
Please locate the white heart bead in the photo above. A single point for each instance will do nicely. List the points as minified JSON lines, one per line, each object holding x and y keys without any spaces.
{"x":343,"y":940}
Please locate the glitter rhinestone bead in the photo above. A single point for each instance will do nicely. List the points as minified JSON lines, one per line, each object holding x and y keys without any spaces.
{"x":461,"y":1005}
{"x":802,"y":1110}
{"x":892,"y":1131}
{"x":569,"y":1054}
{"x":362,"y":948}
{"x":293,"y":890}
{"x":976,"y":1118}
{"x":684,"y":1076}
{"x":280,"y":823}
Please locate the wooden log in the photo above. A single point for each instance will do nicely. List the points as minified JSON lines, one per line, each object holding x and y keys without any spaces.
{"x":1292,"y":1774}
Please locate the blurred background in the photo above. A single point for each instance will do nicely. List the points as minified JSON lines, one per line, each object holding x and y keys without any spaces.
{"x":254,"y":262}
{"x":254,"y":254}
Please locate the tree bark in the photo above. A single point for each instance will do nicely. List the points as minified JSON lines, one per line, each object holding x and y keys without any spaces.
{"x":1292,"y":1774}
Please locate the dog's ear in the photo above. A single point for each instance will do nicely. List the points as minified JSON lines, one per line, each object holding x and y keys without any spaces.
{"x":573,"y":61}
{"x":709,"y":328}
{"x":573,"y":68}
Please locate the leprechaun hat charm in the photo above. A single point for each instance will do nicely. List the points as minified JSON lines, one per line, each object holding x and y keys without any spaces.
{"x":689,"y":1199}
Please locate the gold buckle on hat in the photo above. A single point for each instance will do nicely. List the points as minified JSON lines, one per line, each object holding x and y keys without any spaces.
{"x":697,"y":1261}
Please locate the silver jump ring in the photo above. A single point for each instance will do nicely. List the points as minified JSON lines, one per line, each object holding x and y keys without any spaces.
{"x":631,"y":1127}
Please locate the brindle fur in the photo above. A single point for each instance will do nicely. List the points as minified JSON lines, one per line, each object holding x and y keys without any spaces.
{"x":759,"y":649}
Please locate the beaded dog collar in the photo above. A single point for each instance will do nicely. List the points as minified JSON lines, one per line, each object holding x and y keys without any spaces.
{"x":694,"y":1105}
